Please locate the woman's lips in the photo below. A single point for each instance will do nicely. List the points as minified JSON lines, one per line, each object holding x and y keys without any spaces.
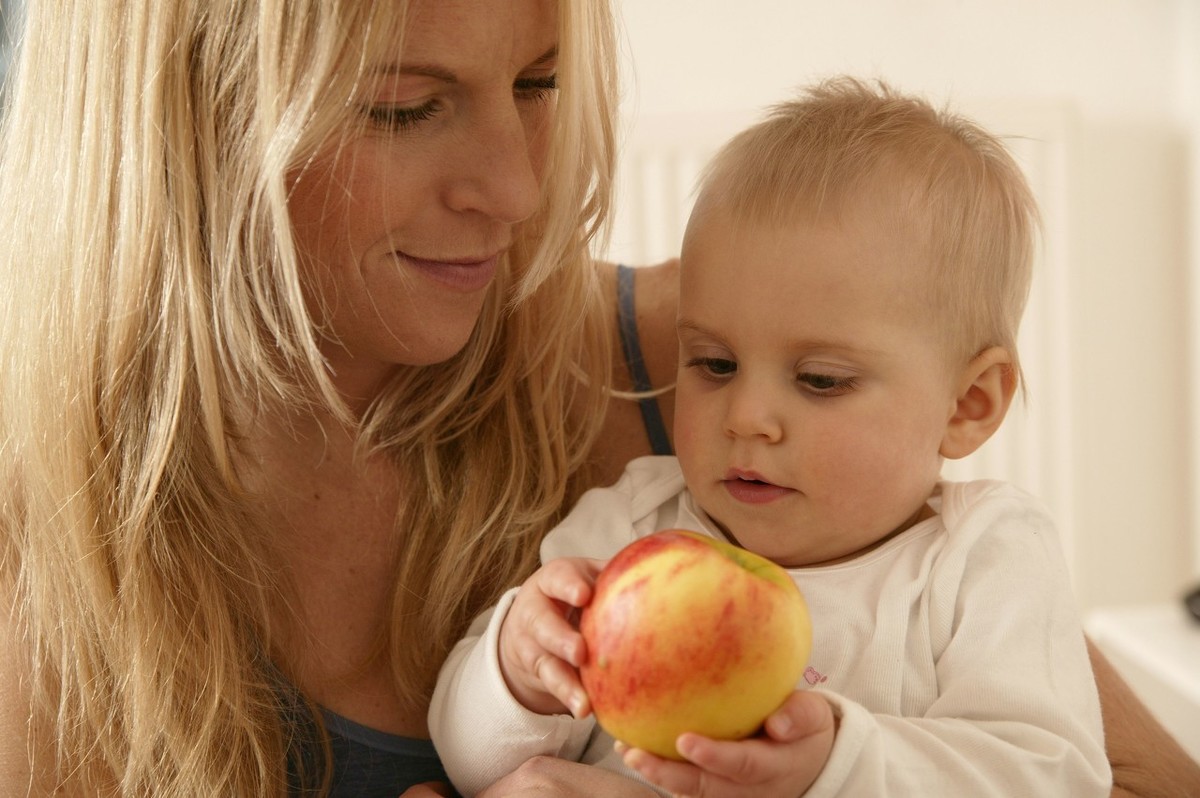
{"x":463,"y":275}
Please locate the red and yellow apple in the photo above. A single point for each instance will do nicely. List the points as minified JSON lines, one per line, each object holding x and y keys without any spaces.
{"x":685,"y":633}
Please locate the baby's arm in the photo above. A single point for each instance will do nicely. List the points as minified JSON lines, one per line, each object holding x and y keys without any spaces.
{"x":487,"y":718}
{"x":1015,"y":710}
{"x":540,"y":647}
{"x":482,"y":728}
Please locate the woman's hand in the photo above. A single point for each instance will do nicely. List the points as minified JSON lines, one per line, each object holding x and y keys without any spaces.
{"x":783,"y":761}
{"x":547,"y":777}
{"x":1147,"y":762}
{"x":430,"y":789}
{"x":541,"y":649}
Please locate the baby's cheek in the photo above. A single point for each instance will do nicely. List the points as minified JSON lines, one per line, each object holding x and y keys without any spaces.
{"x":690,"y":434}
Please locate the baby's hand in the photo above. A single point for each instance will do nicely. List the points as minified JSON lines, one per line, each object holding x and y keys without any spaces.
{"x":540,"y":645}
{"x":784,"y":761}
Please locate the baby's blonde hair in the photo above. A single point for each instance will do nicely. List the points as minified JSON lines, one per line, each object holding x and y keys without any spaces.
{"x":952,"y":181}
{"x":153,"y":302}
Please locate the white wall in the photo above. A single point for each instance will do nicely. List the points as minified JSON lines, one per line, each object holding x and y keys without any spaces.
{"x":1117,"y":58}
{"x":1119,"y":81}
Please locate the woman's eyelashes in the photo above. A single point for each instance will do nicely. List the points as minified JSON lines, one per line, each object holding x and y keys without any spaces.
{"x":403,"y":118}
{"x":538,"y":88}
{"x":400,"y":118}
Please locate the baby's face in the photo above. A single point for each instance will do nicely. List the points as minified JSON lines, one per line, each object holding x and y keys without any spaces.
{"x":814,"y":389}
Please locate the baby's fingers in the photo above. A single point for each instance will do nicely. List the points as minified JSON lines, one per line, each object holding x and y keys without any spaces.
{"x":568,"y":580}
{"x":548,"y":633}
{"x":561,"y":681}
{"x":803,"y":714}
{"x":741,"y":762}
{"x":677,"y":778}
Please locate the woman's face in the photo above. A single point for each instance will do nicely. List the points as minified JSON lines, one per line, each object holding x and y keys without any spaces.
{"x":401,"y":228}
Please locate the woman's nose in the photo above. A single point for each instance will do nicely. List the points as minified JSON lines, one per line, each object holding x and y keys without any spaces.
{"x":499,"y":175}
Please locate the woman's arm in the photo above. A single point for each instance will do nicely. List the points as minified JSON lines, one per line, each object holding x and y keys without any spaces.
{"x":1146,"y":761}
{"x":545,"y":776}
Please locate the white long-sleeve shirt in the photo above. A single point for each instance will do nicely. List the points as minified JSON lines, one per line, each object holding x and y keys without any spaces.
{"x":953,"y":653}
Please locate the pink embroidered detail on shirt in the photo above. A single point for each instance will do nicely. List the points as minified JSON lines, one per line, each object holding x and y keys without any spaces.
{"x":813,"y":676}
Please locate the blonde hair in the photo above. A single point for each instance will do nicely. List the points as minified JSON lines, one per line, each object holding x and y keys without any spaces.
{"x":954,"y":183}
{"x":153,"y":296}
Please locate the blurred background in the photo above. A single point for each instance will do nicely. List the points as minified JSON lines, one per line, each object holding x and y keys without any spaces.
{"x":1100,"y":102}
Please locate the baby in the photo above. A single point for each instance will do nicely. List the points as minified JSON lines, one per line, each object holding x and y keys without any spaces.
{"x":852,"y":281}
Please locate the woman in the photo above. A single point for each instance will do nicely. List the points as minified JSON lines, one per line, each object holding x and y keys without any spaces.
{"x":304,"y":352}
{"x":308,"y":358}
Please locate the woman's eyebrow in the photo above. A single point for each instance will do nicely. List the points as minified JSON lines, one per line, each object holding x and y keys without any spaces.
{"x":445,"y":75}
{"x":545,"y":57}
{"x":424,"y":70}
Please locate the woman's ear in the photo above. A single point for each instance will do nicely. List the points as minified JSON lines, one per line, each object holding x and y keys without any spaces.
{"x":984,"y":393}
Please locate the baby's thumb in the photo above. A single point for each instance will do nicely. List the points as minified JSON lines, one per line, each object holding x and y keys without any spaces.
{"x":803,"y":714}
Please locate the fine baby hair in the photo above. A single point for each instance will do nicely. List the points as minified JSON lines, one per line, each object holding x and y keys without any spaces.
{"x":847,"y":140}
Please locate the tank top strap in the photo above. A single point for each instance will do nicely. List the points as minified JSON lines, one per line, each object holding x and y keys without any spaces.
{"x":631,"y":348}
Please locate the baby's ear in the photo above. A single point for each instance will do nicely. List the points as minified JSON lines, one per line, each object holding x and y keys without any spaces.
{"x":985,"y":390}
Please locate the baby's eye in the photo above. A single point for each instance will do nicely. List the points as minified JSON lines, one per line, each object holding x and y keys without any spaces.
{"x":825,"y":384}
{"x":713,"y":367}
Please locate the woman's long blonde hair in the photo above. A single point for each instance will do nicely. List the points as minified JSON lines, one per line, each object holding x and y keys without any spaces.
{"x":152,"y":296}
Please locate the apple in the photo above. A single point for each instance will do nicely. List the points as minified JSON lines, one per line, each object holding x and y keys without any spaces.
{"x":687,"y":633}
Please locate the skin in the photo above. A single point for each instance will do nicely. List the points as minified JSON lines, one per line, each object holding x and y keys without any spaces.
{"x":447,"y":183}
{"x":819,"y":430}
{"x":815,"y":404}
{"x":399,"y":229}
{"x":448,"y":188}
{"x":401,"y":226}
{"x":810,"y":435}
{"x":475,"y":169}
{"x":1146,"y":761}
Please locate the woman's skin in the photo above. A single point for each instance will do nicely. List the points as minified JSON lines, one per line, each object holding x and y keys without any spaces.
{"x":656,"y":291}
{"x":470,"y":150}
{"x":400,"y":229}
{"x":1146,"y":761}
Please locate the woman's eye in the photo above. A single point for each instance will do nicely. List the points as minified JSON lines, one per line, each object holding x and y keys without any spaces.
{"x":713,"y":367}
{"x":825,"y":384}
{"x":535,"y":88}
{"x":400,"y":118}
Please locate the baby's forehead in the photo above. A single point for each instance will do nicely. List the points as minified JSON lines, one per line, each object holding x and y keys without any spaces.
{"x":885,"y":209}
{"x":886,"y":185}
{"x":862,"y":242}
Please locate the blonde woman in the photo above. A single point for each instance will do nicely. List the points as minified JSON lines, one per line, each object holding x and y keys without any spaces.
{"x":303,"y":353}
{"x":302,"y":350}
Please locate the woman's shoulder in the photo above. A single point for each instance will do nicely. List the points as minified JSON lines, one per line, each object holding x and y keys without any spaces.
{"x":656,"y":299}
{"x":655,"y":292}
{"x":658,"y":286}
